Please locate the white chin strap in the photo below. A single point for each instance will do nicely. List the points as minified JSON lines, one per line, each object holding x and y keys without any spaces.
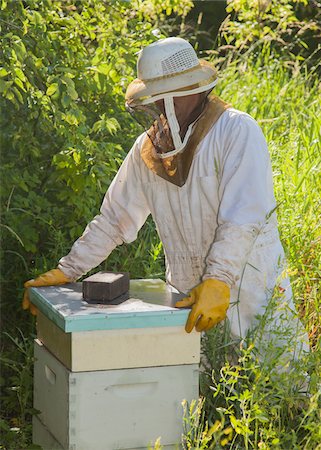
{"x":175,"y":129}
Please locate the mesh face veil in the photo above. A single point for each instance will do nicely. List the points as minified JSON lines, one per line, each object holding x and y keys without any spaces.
{"x":154,"y":122}
{"x":167,"y":69}
{"x":162,"y":127}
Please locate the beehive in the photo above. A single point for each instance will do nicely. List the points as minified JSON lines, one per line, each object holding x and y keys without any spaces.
{"x":112,"y":376}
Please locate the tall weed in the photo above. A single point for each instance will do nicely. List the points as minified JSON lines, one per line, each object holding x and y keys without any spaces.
{"x":285,"y":103}
{"x":260,"y":395}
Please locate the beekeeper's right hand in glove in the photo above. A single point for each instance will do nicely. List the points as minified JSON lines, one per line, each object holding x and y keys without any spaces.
{"x":52,"y":278}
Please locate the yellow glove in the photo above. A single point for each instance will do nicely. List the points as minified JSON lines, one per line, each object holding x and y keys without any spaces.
{"x":52,"y":278}
{"x":210,"y":301}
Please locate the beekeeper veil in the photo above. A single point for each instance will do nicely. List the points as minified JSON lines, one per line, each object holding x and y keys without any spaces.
{"x":167,"y":69}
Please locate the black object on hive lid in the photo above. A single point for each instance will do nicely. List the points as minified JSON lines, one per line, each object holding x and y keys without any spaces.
{"x":104,"y":287}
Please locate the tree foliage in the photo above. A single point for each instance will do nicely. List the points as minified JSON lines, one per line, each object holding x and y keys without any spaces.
{"x":292,"y":29}
{"x":64,"y":68}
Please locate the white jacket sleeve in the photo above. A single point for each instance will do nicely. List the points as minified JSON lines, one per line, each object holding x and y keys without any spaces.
{"x":122,"y":214}
{"x":246,"y":197}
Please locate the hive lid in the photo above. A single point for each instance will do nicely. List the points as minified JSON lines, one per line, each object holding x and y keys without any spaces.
{"x":149,"y":304}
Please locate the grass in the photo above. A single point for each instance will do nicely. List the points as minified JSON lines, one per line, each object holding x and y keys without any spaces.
{"x":246,"y":404}
{"x":286,"y":105}
{"x":250,"y":404}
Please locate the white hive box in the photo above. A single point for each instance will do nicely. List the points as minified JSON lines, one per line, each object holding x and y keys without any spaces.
{"x":115,"y":375}
{"x":111,"y":409}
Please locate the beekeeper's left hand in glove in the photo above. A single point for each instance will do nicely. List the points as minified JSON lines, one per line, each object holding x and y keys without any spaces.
{"x":210,"y":301}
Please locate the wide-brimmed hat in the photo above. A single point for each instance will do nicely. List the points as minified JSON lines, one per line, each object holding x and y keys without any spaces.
{"x":169,"y":66}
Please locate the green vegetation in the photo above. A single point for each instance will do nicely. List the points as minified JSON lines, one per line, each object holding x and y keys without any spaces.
{"x":63,"y":70}
{"x":248,"y":402}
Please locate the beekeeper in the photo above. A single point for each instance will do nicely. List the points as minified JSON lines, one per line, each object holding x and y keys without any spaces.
{"x":202,"y":170}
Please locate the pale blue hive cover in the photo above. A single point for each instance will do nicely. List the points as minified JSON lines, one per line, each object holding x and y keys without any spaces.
{"x":149,"y":304}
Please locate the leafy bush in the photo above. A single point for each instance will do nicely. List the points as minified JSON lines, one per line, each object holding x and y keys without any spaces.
{"x":291,"y":29}
{"x":64,"y":69}
{"x":65,"y":66}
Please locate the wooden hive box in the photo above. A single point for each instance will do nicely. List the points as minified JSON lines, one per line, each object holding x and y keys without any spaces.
{"x":144,"y":331}
{"x":111,"y":409}
{"x":103,"y":369}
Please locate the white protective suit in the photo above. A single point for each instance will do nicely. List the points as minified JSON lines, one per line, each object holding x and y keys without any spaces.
{"x":219,"y":224}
